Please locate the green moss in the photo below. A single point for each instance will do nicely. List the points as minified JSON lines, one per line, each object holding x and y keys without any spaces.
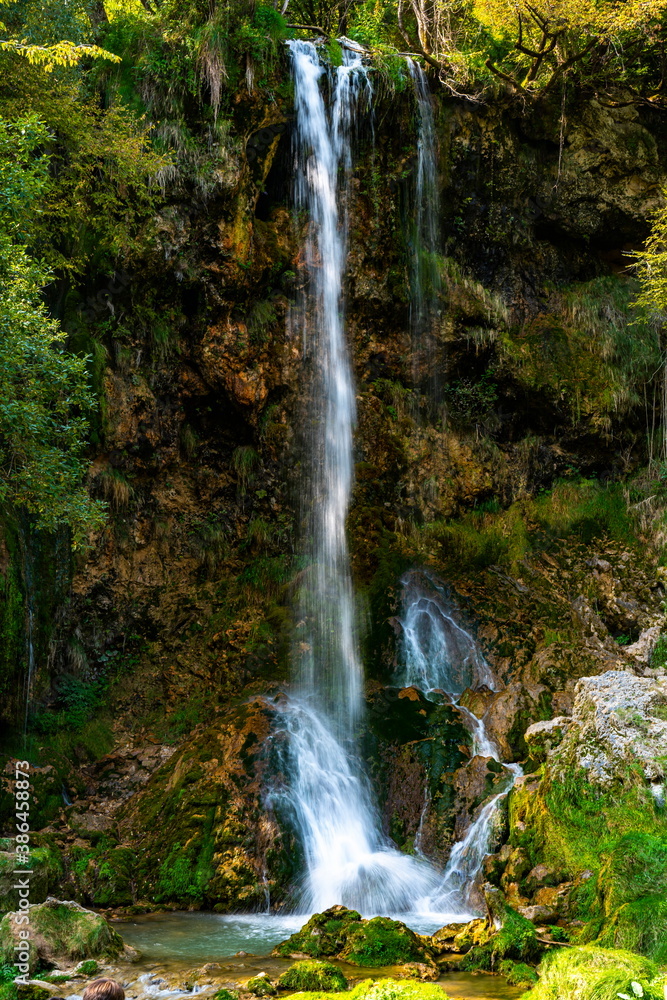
{"x":392,"y":989}
{"x":314,"y":975}
{"x":517,"y":973}
{"x":382,"y":941}
{"x":324,"y":934}
{"x":589,"y":973}
{"x":226,"y":995}
{"x":261,"y":986}
{"x":516,"y":940}
{"x":88,"y":968}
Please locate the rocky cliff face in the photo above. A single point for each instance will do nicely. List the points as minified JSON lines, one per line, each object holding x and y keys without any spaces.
{"x":180,"y":612}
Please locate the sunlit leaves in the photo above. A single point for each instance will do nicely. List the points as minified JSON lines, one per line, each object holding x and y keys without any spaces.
{"x":61,"y":54}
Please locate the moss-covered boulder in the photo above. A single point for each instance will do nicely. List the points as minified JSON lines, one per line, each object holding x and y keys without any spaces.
{"x":590,"y":973}
{"x":325,"y":934}
{"x":381,"y":941}
{"x":345,"y":934}
{"x":313,"y":975}
{"x":516,"y":940}
{"x":392,"y":989}
{"x":60,"y":931}
{"x":261,"y":986}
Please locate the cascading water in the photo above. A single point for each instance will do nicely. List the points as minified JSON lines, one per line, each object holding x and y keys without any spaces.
{"x":440,"y":656}
{"x":426,"y":280}
{"x":347,"y":858}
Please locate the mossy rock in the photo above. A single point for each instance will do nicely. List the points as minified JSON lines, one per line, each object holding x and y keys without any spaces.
{"x":590,"y":973}
{"x":61,"y":932}
{"x":32,"y":991}
{"x":518,"y":973}
{"x":516,"y":940}
{"x":313,"y":975}
{"x":226,"y":995}
{"x":325,"y":934}
{"x":382,"y":941}
{"x":261,"y":986}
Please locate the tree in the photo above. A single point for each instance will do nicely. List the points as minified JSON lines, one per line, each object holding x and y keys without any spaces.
{"x":550,"y":37}
{"x":44,"y":394}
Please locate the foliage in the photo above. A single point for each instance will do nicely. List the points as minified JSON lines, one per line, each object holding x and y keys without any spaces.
{"x":44,"y":395}
{"x":588,"y":973}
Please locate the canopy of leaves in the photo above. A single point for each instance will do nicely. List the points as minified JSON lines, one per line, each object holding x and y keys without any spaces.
{"x":44,"y":396}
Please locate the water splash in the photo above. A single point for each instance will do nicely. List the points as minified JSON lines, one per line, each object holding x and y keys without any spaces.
{"x":436,"y":651}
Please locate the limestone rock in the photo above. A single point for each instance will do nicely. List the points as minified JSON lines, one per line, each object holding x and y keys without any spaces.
{"x":616,"y":723}
{"x":542,"y":737}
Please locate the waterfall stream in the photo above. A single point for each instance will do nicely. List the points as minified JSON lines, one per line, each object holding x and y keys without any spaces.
{"x":425,"y":278}
{"x":347,"y":857}
{"x":439,"y":655}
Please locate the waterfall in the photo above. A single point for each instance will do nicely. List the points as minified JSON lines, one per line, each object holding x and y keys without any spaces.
{"x":426,"y":281}
{"x":439,"y":655}
{"x":347,"y":857}
{"x":330,"y":670}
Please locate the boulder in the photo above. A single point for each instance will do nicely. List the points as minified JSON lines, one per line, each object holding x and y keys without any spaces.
{"x":61,"y":932}
{"x":617,"y":724}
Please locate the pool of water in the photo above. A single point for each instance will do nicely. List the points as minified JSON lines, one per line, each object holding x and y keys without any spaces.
{"x":171,"y":943}
{"x":209,"y":937}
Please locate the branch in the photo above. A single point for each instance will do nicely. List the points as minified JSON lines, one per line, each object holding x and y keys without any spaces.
{"x":418,"y":48}
{"x":508,"y":79}
{"x":564,"y":66}
{"x":308,"y":27}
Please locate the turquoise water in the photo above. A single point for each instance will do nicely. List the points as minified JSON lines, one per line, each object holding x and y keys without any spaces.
{"x":176,"y":941}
